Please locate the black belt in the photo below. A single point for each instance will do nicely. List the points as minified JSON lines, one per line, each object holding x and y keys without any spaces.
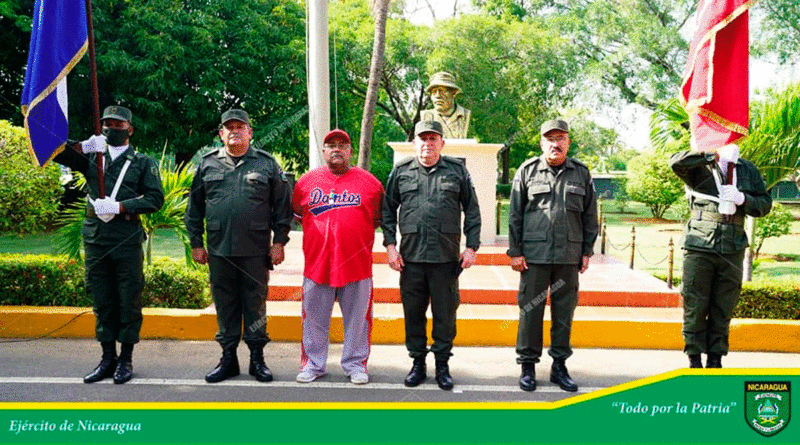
{"x":126,"y":216}
{"x":737,"y":219}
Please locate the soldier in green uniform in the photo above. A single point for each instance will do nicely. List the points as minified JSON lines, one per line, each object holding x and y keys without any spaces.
{"x":552,"y":227}
{"x":113,"y":236}
{"x":243,"y":196}
{"x":714,"y":245}
{"x":430,"y":192}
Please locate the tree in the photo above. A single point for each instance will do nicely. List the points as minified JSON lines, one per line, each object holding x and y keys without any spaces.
{"x":179,"y":64}
{"x":15,"y":33}
{"x":779,"y":32}
{"x":651,"y":182}
{"x":633,"y":47}
{"x":380,"y":9}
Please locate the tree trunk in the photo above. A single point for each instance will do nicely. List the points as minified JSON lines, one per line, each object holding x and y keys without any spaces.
{"x":380,"y":10}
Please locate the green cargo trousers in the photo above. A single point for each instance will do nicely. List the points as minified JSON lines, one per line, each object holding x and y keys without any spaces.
{"x":437,"y":284}
{"x":561,"y":280}
{"x":711,"y":286}
{"x":239,"y":289}
{"x":115,"y":279}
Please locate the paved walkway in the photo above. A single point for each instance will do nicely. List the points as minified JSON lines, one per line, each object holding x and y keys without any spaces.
{"x":48,"y":370}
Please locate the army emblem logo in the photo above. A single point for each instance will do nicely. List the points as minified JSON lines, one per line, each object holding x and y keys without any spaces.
{"x":767,"y":406}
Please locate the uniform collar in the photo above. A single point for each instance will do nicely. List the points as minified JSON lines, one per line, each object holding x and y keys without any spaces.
{"x":543,"y":165}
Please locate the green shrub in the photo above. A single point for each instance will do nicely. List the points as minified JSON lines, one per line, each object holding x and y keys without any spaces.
{"x":503,"y":191}
{"x":770,"y":299}
{"x":28,"y":195}
{"x":170,"y":283}
{"x":55,"y":280}
{"x":42,"y":280}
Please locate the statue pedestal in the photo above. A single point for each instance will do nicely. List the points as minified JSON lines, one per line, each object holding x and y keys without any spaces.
{"x":481,"y":161}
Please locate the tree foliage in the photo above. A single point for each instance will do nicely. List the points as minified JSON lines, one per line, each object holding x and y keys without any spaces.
{"x":179,"y":64}
{"x":15,"y":33}
{"x":651,"y":182}
{"x":779,"y":32}
{"x":633,"y":47}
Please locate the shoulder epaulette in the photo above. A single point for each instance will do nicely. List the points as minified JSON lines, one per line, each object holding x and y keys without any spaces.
{"x":454,"y":160}
{"x":580,"y":163}
{"x":530,"y":161}
{"x":404,"y":161}
{"x":212,"y":152}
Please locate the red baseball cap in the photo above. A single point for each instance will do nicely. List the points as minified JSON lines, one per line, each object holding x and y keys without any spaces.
{"x":337,"y":132}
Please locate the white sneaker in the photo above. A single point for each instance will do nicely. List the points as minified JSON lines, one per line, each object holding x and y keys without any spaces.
{"x":359,"y":378}
{"x":308,"y":376}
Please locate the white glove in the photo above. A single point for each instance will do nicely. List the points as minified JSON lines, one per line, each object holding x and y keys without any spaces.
{"x":731,"y":193}
{"x":105,"y":206}
{"x":728,"y":153}
{"x":95,"y":144}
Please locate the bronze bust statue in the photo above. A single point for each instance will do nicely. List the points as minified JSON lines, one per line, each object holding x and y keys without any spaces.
{"x":453,"y":117}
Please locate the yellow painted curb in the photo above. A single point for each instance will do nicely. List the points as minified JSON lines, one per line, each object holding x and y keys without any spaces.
{"x":192,"y":324}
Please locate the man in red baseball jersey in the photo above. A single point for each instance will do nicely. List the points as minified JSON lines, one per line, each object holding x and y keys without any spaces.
{"x":340,"y":207}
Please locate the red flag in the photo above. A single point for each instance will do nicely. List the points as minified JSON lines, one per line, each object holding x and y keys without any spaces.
{"x":715,"y":87}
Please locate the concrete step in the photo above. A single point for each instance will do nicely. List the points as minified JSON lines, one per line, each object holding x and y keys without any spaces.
{"x":478,"y":325}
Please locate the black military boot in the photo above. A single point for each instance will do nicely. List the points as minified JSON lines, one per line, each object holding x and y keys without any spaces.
{"x":560,"y":376}
{"x":714,"y":361}
{"x":443,"y":378}
{"x":527,"y":380}
{"x":258,"y":368}
{"x":228,"y":367}
{"x":695,"y":361}
{"x":417,"y":374}
{"x":124,"y":370}
{"x":107,"y":364}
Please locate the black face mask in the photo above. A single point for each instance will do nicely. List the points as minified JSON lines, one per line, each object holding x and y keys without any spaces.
{"x":115,"y":137}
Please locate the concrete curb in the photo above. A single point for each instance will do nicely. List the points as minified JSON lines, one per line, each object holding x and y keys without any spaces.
{"x":477,"y":326}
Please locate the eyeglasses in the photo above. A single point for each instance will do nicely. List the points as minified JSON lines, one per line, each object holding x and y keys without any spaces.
{"x":341,"y":146}
{"x":556,"y":139}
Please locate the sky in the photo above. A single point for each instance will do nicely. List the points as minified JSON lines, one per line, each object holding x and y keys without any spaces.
{"x":632,"y":121}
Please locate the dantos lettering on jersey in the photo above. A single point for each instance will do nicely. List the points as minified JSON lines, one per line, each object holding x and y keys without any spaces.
{"x":320,"y":203}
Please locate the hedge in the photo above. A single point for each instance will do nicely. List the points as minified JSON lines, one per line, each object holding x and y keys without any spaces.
{"x":772,"y":299}
{"x":55,"y":280}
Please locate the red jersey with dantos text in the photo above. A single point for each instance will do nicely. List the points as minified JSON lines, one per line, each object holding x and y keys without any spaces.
{"x":339,"y":216}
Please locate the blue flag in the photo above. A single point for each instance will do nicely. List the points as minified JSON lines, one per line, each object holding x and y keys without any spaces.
{"x":58,"y":41}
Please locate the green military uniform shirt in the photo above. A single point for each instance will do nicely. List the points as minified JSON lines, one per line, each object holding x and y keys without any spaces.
{"x":553,"y":213}
{"x":140,"y":192}
{"x":430,"y":202}
{"x":707,"y":232}
{"x":242,"y":203}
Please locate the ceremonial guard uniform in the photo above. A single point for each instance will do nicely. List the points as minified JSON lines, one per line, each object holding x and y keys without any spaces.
{"x":714,"y":247}
{"x":113,"y":245}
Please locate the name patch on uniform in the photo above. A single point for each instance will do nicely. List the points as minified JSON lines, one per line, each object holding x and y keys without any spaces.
{"x":321,"y":202}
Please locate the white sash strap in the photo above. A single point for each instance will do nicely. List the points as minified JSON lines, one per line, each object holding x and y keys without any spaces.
{"x":109,"y":216}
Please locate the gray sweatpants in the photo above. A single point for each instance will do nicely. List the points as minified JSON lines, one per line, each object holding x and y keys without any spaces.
{"x":355,"y":301}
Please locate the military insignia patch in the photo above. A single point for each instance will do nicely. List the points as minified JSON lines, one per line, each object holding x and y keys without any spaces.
{"x":767,"y":406}
{"x":283,"y":177}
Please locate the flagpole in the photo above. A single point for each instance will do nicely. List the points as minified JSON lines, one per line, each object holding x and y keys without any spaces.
{"x":95,"y":96}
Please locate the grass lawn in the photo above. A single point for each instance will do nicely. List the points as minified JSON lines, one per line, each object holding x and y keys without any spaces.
{"x":165,"y":243}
